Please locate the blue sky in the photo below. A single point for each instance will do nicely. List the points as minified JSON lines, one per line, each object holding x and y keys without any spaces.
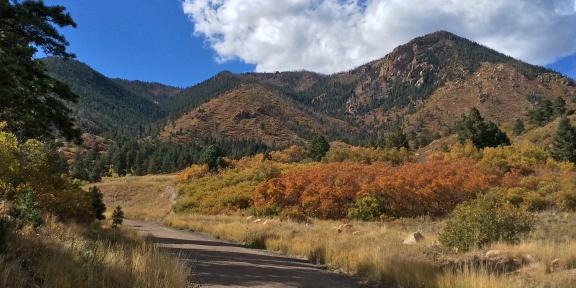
{"x":154,"y":40}
{"x":149,"y":40}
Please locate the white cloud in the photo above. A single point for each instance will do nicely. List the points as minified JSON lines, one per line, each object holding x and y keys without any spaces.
{"x":334,"y":35}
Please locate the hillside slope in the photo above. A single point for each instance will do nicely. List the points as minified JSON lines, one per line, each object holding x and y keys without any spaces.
{"x":104,"y":106}
{"x":253,"y":112}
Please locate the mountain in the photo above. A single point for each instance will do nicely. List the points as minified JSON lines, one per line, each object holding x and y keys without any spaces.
{"x":254,"y":112}
{"x":426,"y":84}
{"x":155,"y":92}
{"x":105,"y":106}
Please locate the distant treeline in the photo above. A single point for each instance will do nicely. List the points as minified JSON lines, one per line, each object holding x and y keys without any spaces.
{"x":126,"y":156}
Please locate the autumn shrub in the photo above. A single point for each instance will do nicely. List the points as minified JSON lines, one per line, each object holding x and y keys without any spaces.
{"x":326,"y":191}
{"x":291,"y":154}
{"x":431,"y":188}
{"x":193,"y":172}
{"x":31,"y":169}
{"x":489,"y":218}
{"x":292,"y":214}
{"x":367,"y":208}
{"x":342,"y":153}
{"x":567,"y":200}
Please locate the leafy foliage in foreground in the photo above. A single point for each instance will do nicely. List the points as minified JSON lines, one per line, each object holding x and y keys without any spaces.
{"x":31,"y":179}
{"x":488,"y":219}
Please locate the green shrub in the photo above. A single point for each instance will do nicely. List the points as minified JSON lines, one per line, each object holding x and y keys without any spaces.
{"x":236,"y":201}
{"x":488,"y":219}
{"x":265,"y":211}
{"x":366,"y":209}
{"x":293,"y":214}
{"x":26,"y":209}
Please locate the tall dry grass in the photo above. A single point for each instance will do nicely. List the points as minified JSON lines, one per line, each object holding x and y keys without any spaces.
{"x":149,"y":197}
{"x":374,"y":250}
{"x":62,"y":256}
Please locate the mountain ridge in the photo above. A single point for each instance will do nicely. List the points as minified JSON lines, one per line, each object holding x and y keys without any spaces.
{"x":424,"y":85}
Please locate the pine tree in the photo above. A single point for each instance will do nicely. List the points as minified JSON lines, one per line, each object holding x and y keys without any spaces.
{"x":395,"y":138}
{"x":117,"y":217}
{"x":97,"y":203}
{"x":212,"y":156}
{"x":482,"y":133}
{"x":564,"y":142}
{"x":559,"y":106}
{"x":34,"y":104}
{"x":318,"y":148}
{"x":518,"y":128}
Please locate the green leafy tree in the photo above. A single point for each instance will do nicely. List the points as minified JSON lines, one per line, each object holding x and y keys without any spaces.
{"x":212,"y":156}
{"x":98,"y":202}
{"x":33,"y":103}
{"x":318,"y":148}
{"x":518,"y":128}
{"x":27,"y":209}
{"x":395,"y":138}
{"x":117,"y":217}
{"x":564,"y":142}
{"x":488,"y":219}
{"x":482,"y":133}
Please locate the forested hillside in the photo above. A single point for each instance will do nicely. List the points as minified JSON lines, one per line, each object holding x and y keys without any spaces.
{"x":421,"y":86}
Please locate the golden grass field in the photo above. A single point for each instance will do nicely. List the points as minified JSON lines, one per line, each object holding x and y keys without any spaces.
{"x":148,"y":197}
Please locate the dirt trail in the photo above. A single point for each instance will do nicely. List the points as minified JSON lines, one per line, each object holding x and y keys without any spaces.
{"x":219,"y":263}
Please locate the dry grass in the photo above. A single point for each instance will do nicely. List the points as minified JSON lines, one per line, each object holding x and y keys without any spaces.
{"x":142,"y":197}
{"x":374,"y":251}
{"x":70,"y":256}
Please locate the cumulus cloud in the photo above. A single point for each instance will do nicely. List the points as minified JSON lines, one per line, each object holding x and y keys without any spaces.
{"x":334,"y":35}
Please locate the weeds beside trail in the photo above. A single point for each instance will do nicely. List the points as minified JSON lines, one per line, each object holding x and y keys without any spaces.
{"x":374,"y":250}
{"x":67,"y":255}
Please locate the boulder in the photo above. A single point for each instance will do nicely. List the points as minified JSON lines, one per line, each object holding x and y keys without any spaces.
{"x":413,"y":238}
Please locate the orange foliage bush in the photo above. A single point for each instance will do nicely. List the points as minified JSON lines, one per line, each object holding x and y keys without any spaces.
{"x":432,"y":188}
{"x":328,"y":191}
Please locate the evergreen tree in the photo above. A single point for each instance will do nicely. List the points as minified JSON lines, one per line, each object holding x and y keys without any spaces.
{"x":97,"y":202}
{"x":395,"y":138}
{"x":518,"y":128}
{"x":212,"y":156}
{"x":318,"y":148}
{"x":33,"y":103}
{"x":564,"y":142}
{"x":559,"y":106}
{"x":482,"y":133}
{"x":117,"y":217}
{"x":542,"y":113}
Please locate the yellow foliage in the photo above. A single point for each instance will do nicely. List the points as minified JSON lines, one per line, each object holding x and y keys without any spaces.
{"x":291,"y":154}
{"x":368,"y":155}
{"x":193,"y":172}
